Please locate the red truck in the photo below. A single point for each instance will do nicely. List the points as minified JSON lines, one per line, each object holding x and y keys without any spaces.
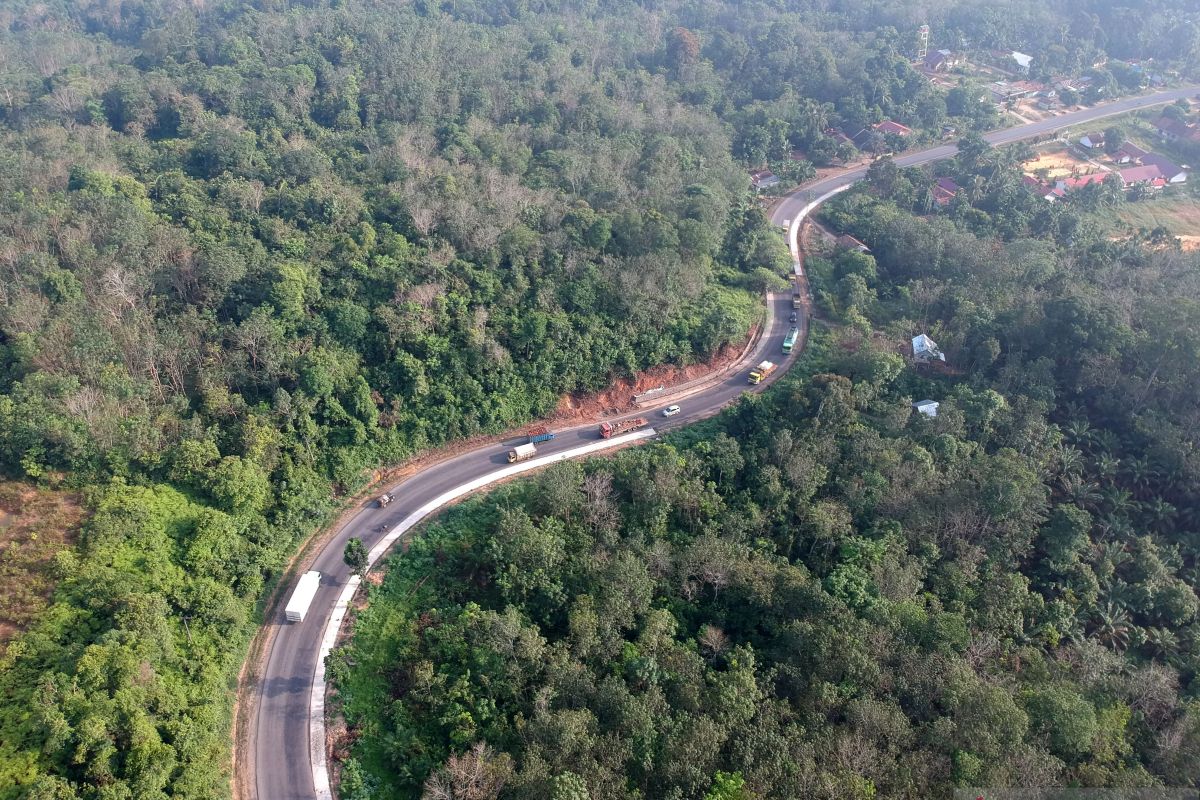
{"x":611,"y":429}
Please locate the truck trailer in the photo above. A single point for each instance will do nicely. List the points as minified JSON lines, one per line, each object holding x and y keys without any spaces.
{"x":522,"y":452}
{"x":611,"y":429}
{"x":306,"y":590}
{"x":761,"y":371}
{"x":539,"y":434}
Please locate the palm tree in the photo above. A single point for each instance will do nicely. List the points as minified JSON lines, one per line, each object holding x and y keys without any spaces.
{"x":1117,"y":500}
{"x":1106,"y":465}
{"x":1083,"y":493}
{"x":1111,"y":626}
{"x":1162,"y":643}
{"x":1140,"y":475}
{"x":1115,"y":528}
{"x":1079,"y":431}
{"x":1069,"y":459}
{"x":1106,"y":440}
{"x":1159,"y":512}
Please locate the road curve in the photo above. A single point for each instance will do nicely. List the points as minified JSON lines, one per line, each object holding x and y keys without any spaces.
{"x":279,"y":761}
{"x":790,"y":207}
{"x":279,"y":729}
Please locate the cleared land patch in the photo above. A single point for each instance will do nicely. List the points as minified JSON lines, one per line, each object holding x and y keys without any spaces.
{"x":35,"y":524}
{"x":1060,"y":164}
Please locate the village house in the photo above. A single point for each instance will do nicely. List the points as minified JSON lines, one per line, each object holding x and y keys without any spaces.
{"x":1172,"y":130}
{"x":839,"y":136}
{"x":764,"y":179}
{"x":926,"y":349}
{"x":888,"y":126}
{"x":1004,"y":91}
{"x":1092,"y":141}
{"x":1043,"y":190}
{"x":944,"y":191}
{"x":869,"y":138}
{"x":1149,"y":175}
{"x":1022,"y":61}
{"x":941,"y":61}
{"x":1068,"y":184}
{"x":927,"y":407}
{"x":1171,"y":172}
{"x":1130,"y":153}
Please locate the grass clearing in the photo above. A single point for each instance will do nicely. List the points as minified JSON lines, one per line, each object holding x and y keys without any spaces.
{"x":1179,"y":214}
{"x":35,"y":524}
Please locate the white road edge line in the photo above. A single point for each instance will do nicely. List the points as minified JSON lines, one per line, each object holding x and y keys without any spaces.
{"x":316,"y":700}
{"x":794,"y":228}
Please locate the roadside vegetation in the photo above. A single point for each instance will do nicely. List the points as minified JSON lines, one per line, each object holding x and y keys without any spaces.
{"x":251,"y":251}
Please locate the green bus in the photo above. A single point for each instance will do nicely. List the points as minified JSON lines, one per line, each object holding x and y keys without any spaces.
{"x":790,"y":341}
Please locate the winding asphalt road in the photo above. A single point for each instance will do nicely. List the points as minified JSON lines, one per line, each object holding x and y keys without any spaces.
{"x":279,"y":736}
{"x":278,"y":757}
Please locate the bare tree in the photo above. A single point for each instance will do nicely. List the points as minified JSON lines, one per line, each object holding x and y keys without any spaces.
{"x":477,"y":774}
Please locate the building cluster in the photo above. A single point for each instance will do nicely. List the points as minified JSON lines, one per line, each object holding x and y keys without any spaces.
{"x":1139,"y":168}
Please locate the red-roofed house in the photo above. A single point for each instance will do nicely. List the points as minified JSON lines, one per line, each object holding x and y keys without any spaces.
{"x":1145,"y":174}
{"x":1173,"y":130}
{"x":1171,"y":171}
{"x":1042,"y":190}
{"x":944,"y":191}
{"x":1067,"y":184}
{"x":888,"y":126}
{"x":1130,"y":153}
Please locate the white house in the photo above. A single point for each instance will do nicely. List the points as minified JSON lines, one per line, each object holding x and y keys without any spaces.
{"x":764,"y":179}
{"x":1092,"y":141}
{"x":927,"y":407}
{"x":925,"y":349}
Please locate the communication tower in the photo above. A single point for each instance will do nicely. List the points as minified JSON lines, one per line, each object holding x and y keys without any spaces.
{"x":922,"y":42}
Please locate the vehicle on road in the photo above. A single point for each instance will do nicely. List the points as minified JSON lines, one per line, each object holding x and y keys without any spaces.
{"x":611,"y":429}
{"x":670,"y":411}
{"x":539,"y":434}
{"x":302,"y":597}
{"x":385,"y":498}
{"x":761,"y":371}
{"x":794,"y":317}
{"x":790,"y":341}
{"x":522,"y":452}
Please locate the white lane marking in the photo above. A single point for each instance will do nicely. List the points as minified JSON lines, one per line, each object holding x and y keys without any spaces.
{"x":316,"y":699}
{"x":793,"y":240}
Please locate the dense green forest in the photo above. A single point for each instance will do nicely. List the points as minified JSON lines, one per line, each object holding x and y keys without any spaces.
{"x":250,"y":251}
{"x":825,"y":594}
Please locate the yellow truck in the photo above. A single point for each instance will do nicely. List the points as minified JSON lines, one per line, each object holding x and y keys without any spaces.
{"x":761,"y":371}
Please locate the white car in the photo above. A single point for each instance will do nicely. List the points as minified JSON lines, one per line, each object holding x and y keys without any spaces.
{"x":670,"y":411}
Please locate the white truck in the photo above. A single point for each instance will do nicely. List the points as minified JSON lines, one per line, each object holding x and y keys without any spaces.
{"x":306,"y":590}
{"x":521,"y":452}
